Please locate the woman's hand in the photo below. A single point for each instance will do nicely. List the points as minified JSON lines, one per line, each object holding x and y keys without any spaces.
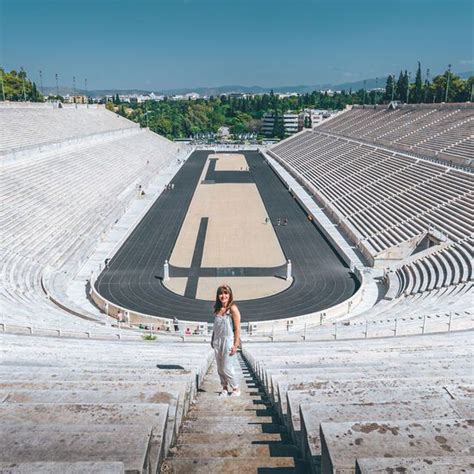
{"x":234,"y":311}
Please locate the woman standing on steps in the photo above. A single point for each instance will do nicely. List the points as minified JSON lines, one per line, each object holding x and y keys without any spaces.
{"x":226,"y":339}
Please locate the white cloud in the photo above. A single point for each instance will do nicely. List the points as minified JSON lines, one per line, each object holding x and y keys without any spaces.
{"x":466,"y":61}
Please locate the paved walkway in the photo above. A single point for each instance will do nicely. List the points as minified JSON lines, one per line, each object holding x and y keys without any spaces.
{"x":233,"y":435}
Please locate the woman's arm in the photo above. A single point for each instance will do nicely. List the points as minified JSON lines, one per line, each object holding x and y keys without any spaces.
{"x":235,"y":313}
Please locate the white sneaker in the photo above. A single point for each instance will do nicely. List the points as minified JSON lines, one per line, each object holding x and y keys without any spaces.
{"x":235,"y":393}
{"x":223,"y":394}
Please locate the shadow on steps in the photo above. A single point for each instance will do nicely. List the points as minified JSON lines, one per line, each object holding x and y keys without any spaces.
{"x":282,"y":448}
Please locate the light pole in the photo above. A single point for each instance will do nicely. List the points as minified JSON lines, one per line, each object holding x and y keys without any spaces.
{"x":393,"y":86}
{"x":57,"y":84}
{"x":85,"y":88}
{"x":363,"y":101}
{"x":447,"y":83}
{"x":74,"y":84}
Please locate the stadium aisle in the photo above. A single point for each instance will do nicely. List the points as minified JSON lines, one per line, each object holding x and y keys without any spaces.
{"x":241,"y":434}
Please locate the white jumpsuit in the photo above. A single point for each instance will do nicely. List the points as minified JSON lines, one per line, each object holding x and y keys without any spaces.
{"x":222,"y":342}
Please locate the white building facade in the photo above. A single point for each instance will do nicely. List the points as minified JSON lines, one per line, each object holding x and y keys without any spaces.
{"x":292,"y":123}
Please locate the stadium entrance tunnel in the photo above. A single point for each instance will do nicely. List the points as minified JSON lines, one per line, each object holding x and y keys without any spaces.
{"x":225,"y":218}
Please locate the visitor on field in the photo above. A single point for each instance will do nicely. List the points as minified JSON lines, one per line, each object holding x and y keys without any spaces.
{"x":226,"y":339}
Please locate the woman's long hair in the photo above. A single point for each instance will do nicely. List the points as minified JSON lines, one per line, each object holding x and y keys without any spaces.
{"x":218,"y":304}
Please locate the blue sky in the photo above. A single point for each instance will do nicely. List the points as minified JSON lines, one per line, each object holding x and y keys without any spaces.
{"x":163,"y":44}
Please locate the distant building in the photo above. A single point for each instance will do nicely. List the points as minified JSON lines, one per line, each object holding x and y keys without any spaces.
{"x":223,"y":133}
{"x":139,"y":98}
{"x":192,"y":96}
{"x":329,"y":92}
{"x":75,"y":99}
{"x":315,"y":116}
{"x":283,"y":95}
{"x":292,"y":123}
{"x":268,"y":124}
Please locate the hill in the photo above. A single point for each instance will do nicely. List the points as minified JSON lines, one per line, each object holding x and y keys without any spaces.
{"x":370,"y":83}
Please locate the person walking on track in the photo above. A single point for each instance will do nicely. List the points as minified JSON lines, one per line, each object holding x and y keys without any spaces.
{"x":226,"y":339}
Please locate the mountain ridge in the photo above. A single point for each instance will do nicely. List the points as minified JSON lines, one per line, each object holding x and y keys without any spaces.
{"x":226,"y":89}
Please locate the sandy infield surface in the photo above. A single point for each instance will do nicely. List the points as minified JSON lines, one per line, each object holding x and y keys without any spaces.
{"x":244,"y":288}
{"x":237,"y":235}
{"x":230,"y":162}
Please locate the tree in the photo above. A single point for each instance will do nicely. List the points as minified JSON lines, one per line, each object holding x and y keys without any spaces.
{"x":390,"y":86}
{"x":418,"y":92}
{"x":203,"y":117}
{"x":399,"y":86}
{"x":278,"y":126}
{"x":427,"y":97}
{"x":402,"y":86}
{"x":254,"y":126}
{"x":35,"y":96}
{"x":164,"y":126}
{"x":457,"y":88}
{"x":468,"y":90}
{"x":17,"y":86}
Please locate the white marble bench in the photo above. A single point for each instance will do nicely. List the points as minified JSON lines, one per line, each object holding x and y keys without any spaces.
{"x":343,"y":443}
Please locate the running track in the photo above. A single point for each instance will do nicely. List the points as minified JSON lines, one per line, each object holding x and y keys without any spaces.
{"x":133,"y":279}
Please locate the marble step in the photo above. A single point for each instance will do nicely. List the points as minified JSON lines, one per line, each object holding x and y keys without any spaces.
{"x":420,"y":465}
{"x":153,"y":417}
{"x":78,"y":443}
{"x":249,"y":410}
{"x":226,"y":427}
{"x":62,"y":467}
{"x":228,"y":465}
{"x":343,"y":443}
{"x":334,"y":404}
{"x":249,"y":449}
{"x":241,"y":418}
{"x":313,"y":415}
{"x":231,"y":438}
{"x":94,"y":397}
{"x":147,"y":392}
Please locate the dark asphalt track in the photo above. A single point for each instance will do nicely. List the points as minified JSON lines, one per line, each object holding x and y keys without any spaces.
{"x":133,"y":279}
